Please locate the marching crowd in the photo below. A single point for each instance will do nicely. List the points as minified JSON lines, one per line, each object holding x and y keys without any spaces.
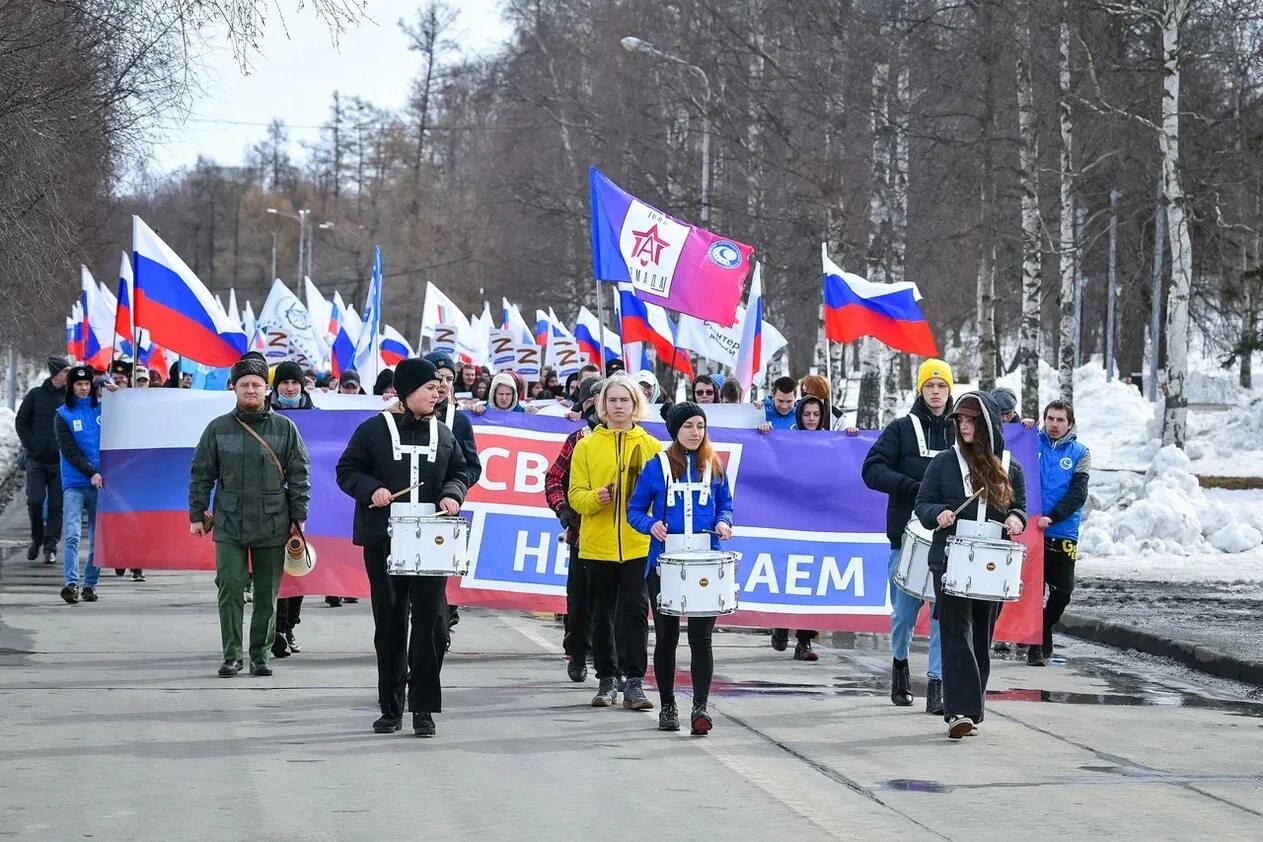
{"x":622,"y":498}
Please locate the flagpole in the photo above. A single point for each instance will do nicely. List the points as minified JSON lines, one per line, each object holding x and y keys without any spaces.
{"x":600,"y":329}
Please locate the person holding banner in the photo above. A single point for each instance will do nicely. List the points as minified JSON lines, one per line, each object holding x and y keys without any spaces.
{"x":288,"y":393}
{"x":814,"y":384}
{"x":369,"y":472}
{"x":603,"y":475}
{"x":77,"y":426}
{"x":894,"y":466}
{"x":690,"y":462}
{"x":257,"y":464}
{"x":577,"y":636}
{"x":974,"y":472}
{"x":458,"y":422}
{"x":705,"y":390}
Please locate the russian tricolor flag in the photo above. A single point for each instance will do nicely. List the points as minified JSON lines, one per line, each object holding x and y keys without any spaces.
{"x":855,"y":307}
{"x":586,"y":332}
{"x":342,"y":351}
{"x":98,"y":323}
{"x":394,"y":348}
{"x":641,"y":321}
{"x":750,"y":354}
{"x":124,"y":325}
{"x":176,"y":308}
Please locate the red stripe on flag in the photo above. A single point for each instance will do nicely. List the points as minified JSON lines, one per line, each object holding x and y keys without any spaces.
{"x":849,"y":323}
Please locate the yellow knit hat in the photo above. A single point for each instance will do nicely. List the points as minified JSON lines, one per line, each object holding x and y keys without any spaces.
{"x":932,"y":368}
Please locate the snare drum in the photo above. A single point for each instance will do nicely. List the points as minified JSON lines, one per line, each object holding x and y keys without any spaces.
{"x":989,"y":569}
{"x":426,"y":545}
{"x":912,"y":574}
{"x":700,"y":583}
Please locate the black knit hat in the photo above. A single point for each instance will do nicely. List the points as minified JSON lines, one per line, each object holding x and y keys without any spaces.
{"x":288,"y":370}
{"x":385,"y":379}
{"x":56,"y":365}
{"x":412,"y":374}
{"x":250,"y":364}
{"x":440,"y":360}
{"x":677,"y":413}
{"x":588,"y":390}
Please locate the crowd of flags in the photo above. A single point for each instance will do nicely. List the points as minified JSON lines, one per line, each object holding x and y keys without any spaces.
{"x":653,"y":265}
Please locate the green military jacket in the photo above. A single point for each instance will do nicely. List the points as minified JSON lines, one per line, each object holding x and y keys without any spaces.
{"x":253,"y":506}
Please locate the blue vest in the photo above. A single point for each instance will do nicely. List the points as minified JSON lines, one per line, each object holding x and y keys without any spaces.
{"x":1056,"y":470}
{"x":84,"y":421}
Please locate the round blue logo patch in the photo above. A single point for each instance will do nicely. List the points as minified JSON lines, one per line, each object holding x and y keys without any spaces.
{"x":724,"y":254}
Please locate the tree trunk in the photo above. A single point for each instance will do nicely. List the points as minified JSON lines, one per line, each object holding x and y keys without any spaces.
{"x":987,"y":345}
{"x":1032,"y":270}
{"x":1175,"y":411}
{"x":1067,"y":245}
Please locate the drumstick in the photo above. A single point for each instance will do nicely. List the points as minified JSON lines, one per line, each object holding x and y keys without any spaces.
{"x":962,"y":506}
{"x":399,"y":494}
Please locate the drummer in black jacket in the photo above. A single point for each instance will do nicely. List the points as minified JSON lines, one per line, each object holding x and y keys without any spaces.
{"x":369,"y":472}
{"x":894,"y":466}
{"x":975,"y":463}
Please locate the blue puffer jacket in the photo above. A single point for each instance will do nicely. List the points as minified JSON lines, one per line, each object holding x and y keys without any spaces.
{"x":77,"y":423}
{"x":1063,"y":483}
{"x":650,"y":496}
{"x":778,"y":421}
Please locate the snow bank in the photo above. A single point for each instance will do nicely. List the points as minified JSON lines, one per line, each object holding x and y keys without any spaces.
{"x":10,"y":447}
{"x":1166,"y":513}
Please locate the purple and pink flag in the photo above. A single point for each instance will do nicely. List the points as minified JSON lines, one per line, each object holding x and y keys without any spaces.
{"x":668,"y":262}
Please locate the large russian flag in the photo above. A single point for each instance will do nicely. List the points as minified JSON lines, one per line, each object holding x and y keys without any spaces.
{"x":855,"y":307}
{"x":667,"y":262}
{"x":641,"y":321}
{"x":176,"y":308}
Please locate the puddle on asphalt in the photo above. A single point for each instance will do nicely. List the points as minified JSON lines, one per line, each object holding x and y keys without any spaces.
{"x":1176,"y":700}
{"x":914,"y":785}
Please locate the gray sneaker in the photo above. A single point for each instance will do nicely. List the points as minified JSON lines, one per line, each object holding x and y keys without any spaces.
{"x":634,"y":697}
{"x":606,"y":695}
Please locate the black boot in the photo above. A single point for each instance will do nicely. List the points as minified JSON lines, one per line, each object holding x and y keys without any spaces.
{"x":423,"y":725}
{"x":1035,"y":656}
{"x":901,"y":684}
{"x":934,"y":697}
{"x":387,"y":724}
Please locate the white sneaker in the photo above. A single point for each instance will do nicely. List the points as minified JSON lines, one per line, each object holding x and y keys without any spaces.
{"x":959,"y":726}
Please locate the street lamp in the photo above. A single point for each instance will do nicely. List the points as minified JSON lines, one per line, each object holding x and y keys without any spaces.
{"x":301,"y":216}
{"x":311,"y":244}
{"x":633,"y":44}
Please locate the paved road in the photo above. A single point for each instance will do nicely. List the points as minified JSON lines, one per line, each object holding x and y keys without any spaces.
{"x":115,"y":727}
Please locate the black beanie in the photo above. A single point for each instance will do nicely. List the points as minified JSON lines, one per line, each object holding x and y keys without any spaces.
{"x":56,"y":365}
{"x":385,"y":379}
{"x":289,"y":370}
{"x":248,"y":365}
{"x":677,"y":413}
{"x":440,"y":360}
{"x":412,"y":374}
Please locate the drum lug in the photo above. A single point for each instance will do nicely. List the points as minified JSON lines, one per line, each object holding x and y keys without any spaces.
{"x":684,"y":601}
{"x":390,"y":531}
{"x":683,"y":576}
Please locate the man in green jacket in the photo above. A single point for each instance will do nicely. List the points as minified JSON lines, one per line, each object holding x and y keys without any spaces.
{"x":261,"y":495}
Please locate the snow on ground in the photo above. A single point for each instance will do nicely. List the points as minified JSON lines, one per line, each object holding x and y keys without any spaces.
{"x":1147,"y":516}
{"x":10,"y":447}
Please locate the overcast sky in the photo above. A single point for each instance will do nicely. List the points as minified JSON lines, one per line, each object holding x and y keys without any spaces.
{"x":296,"y":71}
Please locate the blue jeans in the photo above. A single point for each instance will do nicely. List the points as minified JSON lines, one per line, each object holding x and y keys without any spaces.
{"x":74,"y":502}
{"x":904,"y":608}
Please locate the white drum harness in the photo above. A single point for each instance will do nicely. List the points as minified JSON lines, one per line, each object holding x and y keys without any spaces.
{"x":689,"y":540}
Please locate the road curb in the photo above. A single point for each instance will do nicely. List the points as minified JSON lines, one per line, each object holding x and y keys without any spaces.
{"x":1206,"y":659}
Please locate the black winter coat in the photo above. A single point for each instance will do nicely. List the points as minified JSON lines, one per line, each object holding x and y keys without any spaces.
{"x":464,"y":432}
{"x":895,"y":466}
{"x":943,"y":489}
{"x":368,"y":463}
{"x":35,"y":422}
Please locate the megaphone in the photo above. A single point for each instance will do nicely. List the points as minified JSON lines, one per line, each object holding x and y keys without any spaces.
{"x":300,"y":556}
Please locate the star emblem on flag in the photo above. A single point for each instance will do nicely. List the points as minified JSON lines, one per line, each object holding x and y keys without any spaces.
{"x":648,"y":247}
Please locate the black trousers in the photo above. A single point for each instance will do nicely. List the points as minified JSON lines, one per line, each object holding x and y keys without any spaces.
{"x":577,"y":641}
{"x":1059,"y":559}
{"x":620,"y":612}
{"x":287,"y":611}
{"x":666,"y":629}
{"x":43,"y":482}
{"x":802,"y":635}
{"x":965,"y":630}
{"x":407,"y":660}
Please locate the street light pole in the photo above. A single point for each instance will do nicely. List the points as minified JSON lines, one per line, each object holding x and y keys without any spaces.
{"x":311,"y":244}
{"x":273,"y":277}
{"x":636,"y":45}
{"x":301,"y":216}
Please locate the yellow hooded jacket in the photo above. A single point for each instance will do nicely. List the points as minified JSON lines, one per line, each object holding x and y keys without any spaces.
{"x":609,"y":456}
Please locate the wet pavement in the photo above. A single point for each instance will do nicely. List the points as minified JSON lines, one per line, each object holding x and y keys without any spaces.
{"x":1224,"y":616}
{"x":114,"y":706}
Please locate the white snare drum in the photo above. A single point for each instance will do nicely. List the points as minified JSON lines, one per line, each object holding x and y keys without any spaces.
{"x":700,"y":583}
{"x":427,"y":545}
{"x":984,"y":568}
{"x":912,"y":573}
